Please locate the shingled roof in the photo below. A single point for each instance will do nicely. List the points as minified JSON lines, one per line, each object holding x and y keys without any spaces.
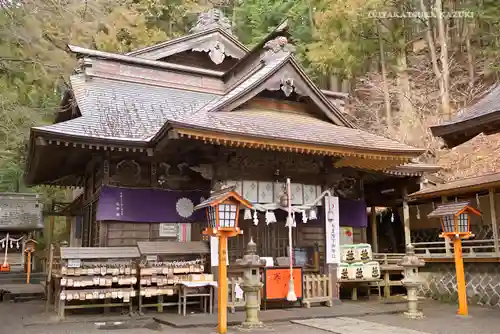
{"x":449,"y":209}
{"x":481,"y":116}
{"x":135,"y":112}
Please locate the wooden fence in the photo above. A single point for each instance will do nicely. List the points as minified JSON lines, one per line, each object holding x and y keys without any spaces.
{"x":444,"y":249}
{"x":317,"y":289}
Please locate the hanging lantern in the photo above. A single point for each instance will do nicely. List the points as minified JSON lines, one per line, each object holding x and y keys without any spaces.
{"x":304,"y":216}
{"x":284,"y":200}
{"x":247,"y":215}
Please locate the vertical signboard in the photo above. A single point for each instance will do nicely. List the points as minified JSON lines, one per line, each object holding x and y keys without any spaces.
{"x":332,"y":230}
{"x":214,"y":252}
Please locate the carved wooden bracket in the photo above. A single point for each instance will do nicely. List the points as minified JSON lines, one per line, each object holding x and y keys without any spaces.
{"x":127,"y":172}
{"x":288,"y":83}
{"x":217,"y":51}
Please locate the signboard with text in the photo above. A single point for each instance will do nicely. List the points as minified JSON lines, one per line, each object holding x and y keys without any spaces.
{"x":332,"y":230}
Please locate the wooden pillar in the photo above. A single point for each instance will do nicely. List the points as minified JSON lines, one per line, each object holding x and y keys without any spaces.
{"x":364,"y":237}
{"x":406,"y":217}
{"x":447,"y":247}
{"x":373,"y":221}
{"x":493,"y":213}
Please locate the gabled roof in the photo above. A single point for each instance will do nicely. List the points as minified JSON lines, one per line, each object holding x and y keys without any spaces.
{"x":482,"y":116}
{"x":140,"y":113}
{"x":200,"y":41}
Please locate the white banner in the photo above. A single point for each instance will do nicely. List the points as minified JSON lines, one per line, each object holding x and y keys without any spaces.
{"x":332,"y":230}
{"x":214,"y":252}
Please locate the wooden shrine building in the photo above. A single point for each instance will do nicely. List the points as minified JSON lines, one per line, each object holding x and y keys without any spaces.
{"x":483,"y":116}
{"x":192,"y":113}
{"x":20,"y":217}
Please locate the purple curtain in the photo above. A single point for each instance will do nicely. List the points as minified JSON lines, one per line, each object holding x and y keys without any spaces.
{"x":353,"y":213}
{"x":149,"y":205}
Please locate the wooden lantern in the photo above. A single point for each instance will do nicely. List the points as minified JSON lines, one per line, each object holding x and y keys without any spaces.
{"x":223,"y":208}
{"x":29,"y":248}
{"x":455,"y":222}
{"x":455,"y":219}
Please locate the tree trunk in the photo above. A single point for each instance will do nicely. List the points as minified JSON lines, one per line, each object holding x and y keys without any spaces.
{"x":470,"y":54}
{"x":387,"y":96}
{"x":432,"y":52}
{"x":445,"y":98}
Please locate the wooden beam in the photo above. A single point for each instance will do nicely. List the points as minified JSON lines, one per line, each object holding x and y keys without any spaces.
{"x":406,"y":216}
{"x":447,"y":248}
{"x":305,"y":148}
{"x":494,"y":227}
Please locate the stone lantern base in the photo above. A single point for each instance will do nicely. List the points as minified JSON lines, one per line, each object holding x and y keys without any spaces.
{"x":415,"y":315}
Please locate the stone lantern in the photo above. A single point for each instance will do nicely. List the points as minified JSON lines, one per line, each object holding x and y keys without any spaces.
{"x":251,"y":264}
{"x":412,"y":281}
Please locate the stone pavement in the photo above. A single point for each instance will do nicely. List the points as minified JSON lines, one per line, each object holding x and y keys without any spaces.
{"x":354,"y":326}
{"x":346,"y":309}
{"x":439,"y":319}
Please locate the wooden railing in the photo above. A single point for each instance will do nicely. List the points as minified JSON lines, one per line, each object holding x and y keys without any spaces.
{"x":390,"y":270}
{"x":317,"y":289}
{"x":470,"y":249}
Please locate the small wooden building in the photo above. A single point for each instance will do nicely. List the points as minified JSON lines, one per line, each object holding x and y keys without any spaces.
{"x":148,"y":134}
{"x":20,"y":215}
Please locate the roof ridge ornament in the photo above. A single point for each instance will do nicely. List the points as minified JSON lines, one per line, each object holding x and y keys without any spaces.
{"x":277,"y":46}
{"x":214,"y":18}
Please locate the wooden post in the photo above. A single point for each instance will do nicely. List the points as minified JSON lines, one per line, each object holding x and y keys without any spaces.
{"x":364,"y":237}
{"x":494,"y":226}
{"x":49,"y":278}
{"x":446,"y":239}
{"x":51,"y":231}
{"x":406,"y":217}
{"x":459,"y":267}
{"x":28,"y":267}
{"x":374,"y":229}
{"x":222,"y":285}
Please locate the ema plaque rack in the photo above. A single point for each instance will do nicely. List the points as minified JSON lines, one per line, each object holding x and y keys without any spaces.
{"x":100,"y":277}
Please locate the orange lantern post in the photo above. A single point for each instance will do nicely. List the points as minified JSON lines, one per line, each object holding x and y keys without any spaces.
{"x":455,"y":222}
{"x":29,"y":249}
{"x":222,"y":215}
